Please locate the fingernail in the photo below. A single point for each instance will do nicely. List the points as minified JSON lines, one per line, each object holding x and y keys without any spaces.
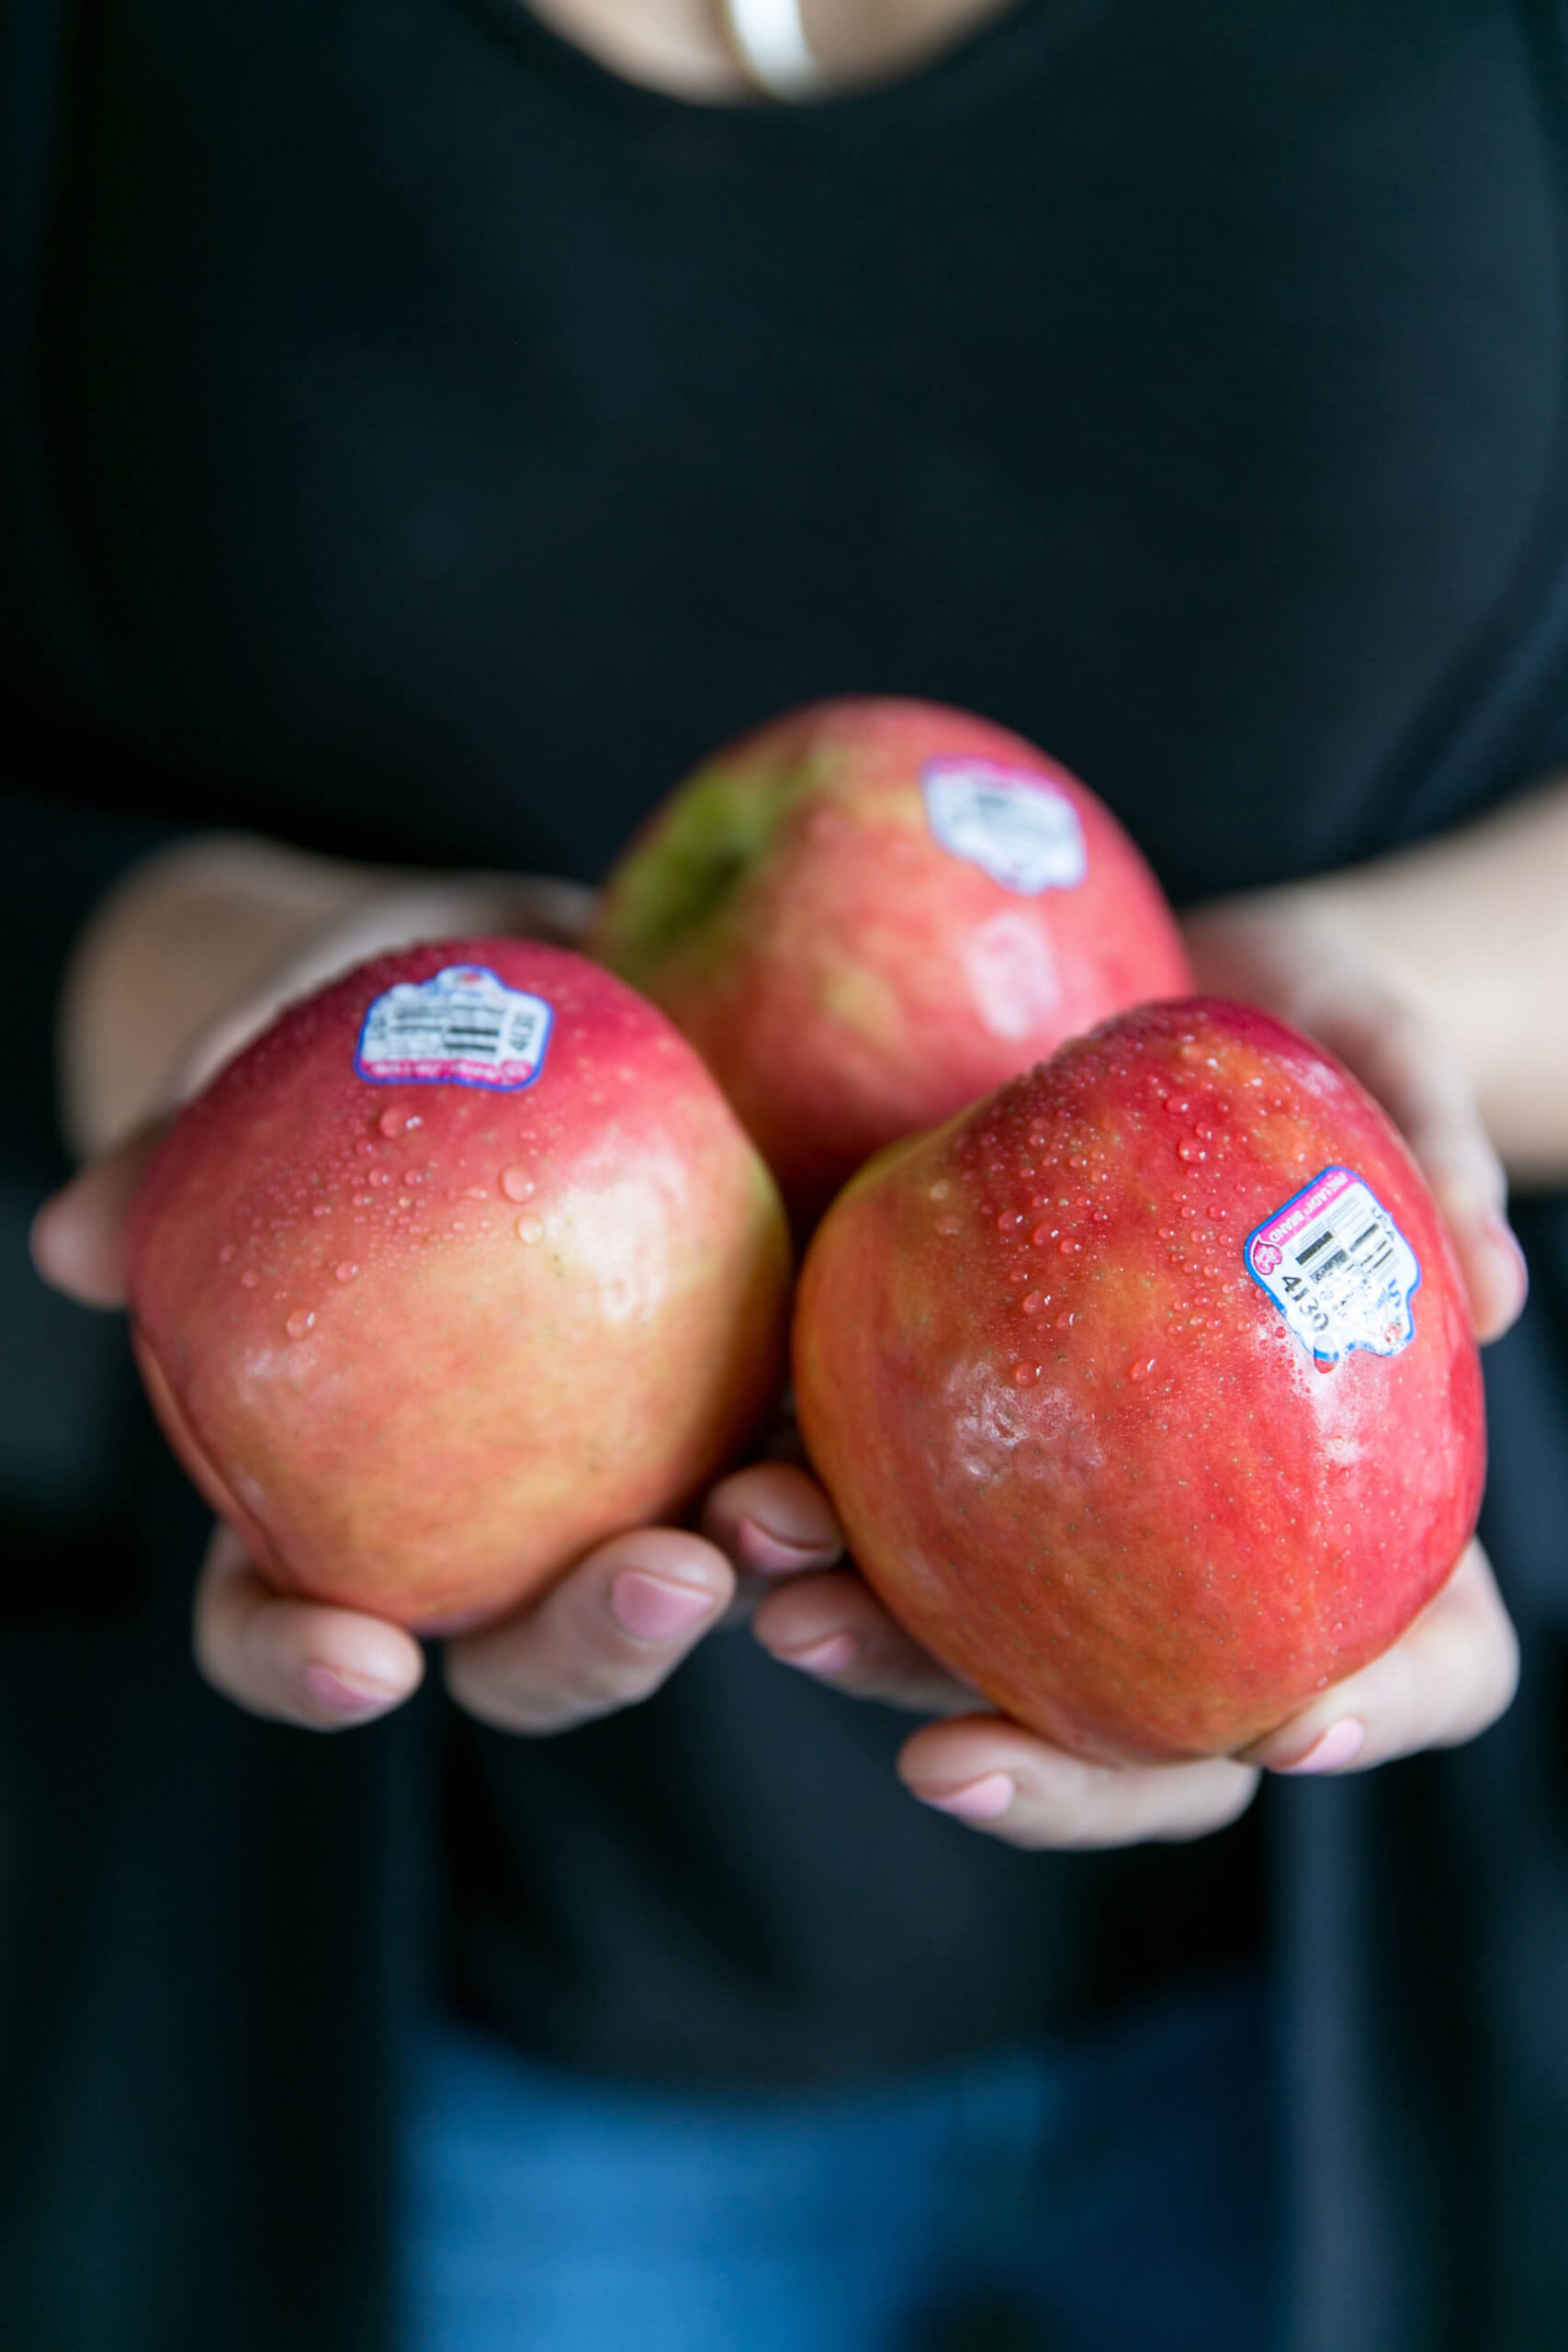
{"x":347,"y":1694}
{"x":1336,"y":1747}
{"x":770,"y":1553}
{"x":1504,"y":1239}
{"x":653,"y":1611}
{"x":830,"y":1655}
{"x":986,"y":1799}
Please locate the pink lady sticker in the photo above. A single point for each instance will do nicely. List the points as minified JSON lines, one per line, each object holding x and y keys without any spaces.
{"x":1017,"y":827}
{"x":1337,"y":1268}
{"x":461,"y":1027}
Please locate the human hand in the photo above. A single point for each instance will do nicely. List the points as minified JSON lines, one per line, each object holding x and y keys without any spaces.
{"x":622,"y":1617}
{"x":1293,"y":953}
{"x":605,"y":1636}
{"x":1450,"y":1674}
{"x":1454,"y":1670}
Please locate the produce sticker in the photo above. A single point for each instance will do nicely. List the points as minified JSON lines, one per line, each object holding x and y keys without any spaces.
{"x":462,"y":1027}
{"x":1017,"y":827}
{"x":1337,"y":1268}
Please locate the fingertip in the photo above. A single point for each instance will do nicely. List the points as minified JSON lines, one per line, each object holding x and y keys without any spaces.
{"x":660,"y":1609}
{"x":1332,"y":1750}
{"x":350,"y":1698}
{"x":1498,"y":1277}
{"x":68,"y":1255}
{"x":773,"y":1519}
{"x":985,"y":1799}
{"x":302,"y":1662}
{"x":77,"y":1235}
{"x":345,"y":1668}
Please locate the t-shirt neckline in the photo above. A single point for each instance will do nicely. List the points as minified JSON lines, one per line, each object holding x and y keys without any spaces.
{"x":974,"y":70}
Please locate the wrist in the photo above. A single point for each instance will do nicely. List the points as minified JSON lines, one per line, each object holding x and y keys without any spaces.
{"x":196,"y":951}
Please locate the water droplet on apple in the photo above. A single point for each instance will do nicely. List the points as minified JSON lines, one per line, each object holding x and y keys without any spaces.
{"x":475,"y":1192}
{"x":530,"y":1229}
{"x":1023,"y":1375}
{"x":938,"y":1191}
{"x":948,"y":1226}
{"x":1032,"y":1302}
{"x":345,"y":1271}
{"x":413,"y":1176}
{"x":1178,"y":1104}
{"x":516,"y":1183}
{"x":322,"y":1208}
{"x":1142,"y":1369}
{"x":298,"y":1323}
{"x":249,"y":1279}
{"x":380,"y":1176}
{"x":1065,"y":1322}
{"x":391,"y":1121}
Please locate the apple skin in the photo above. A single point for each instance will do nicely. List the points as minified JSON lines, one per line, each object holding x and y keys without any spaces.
{"x":422,"y":1344}
{"x":847,"y":977}
{"x":1073,"y":1442}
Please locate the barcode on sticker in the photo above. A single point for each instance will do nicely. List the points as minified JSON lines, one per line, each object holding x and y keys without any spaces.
{"x":463,"y":1027}
{"x":1337,"y":1268}
{"x":1018,"y":828}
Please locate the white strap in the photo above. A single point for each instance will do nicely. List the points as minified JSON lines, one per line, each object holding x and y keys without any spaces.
{"x":771,"y":42}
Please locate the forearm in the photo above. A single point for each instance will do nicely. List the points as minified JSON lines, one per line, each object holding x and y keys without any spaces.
{"x":198,"y":947}
{"x":1473,"y":928}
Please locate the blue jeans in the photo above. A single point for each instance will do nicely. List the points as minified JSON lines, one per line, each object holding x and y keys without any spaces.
{"x":1110,"y":2193}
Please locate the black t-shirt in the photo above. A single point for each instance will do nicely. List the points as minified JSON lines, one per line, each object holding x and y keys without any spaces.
{"x":421,"y":444}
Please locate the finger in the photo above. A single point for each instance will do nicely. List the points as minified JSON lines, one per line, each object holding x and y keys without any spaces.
{"x":1422,"y":1085}
{"x":78,"y":1236}
{"x":295,"y":1661}
{"x":1449,"y":1675}
{"x":773,"y":1520}
{"x":833,"y":1626}
{"x":604,"y":1637}
{"x":995,"y":1776}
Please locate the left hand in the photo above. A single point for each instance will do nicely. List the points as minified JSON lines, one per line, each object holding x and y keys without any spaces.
{"x":1454,"y":1670}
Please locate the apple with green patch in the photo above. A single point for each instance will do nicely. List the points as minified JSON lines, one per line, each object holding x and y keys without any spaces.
{"x":871,"y":910}
{"x":1146,"y":1389}
{"x":463,"y":1265}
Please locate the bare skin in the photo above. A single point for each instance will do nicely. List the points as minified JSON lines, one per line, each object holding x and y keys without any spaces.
{"x":1385,"y":964}
{"x":681,"y":46}
{"x":1425,"y":973}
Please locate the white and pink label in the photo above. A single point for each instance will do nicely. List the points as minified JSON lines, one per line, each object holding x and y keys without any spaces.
{"x":462,"y":1027}
{"x":1337,"y":1268}
{"x":1017,"y":827}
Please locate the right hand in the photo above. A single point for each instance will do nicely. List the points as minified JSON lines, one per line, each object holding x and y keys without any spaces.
{"x":611,"y":1630}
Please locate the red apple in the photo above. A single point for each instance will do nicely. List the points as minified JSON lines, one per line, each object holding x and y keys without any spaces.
{"x":461,"y":1266}
{"x":1146,"y":1389}
{"x":872,"y":910}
